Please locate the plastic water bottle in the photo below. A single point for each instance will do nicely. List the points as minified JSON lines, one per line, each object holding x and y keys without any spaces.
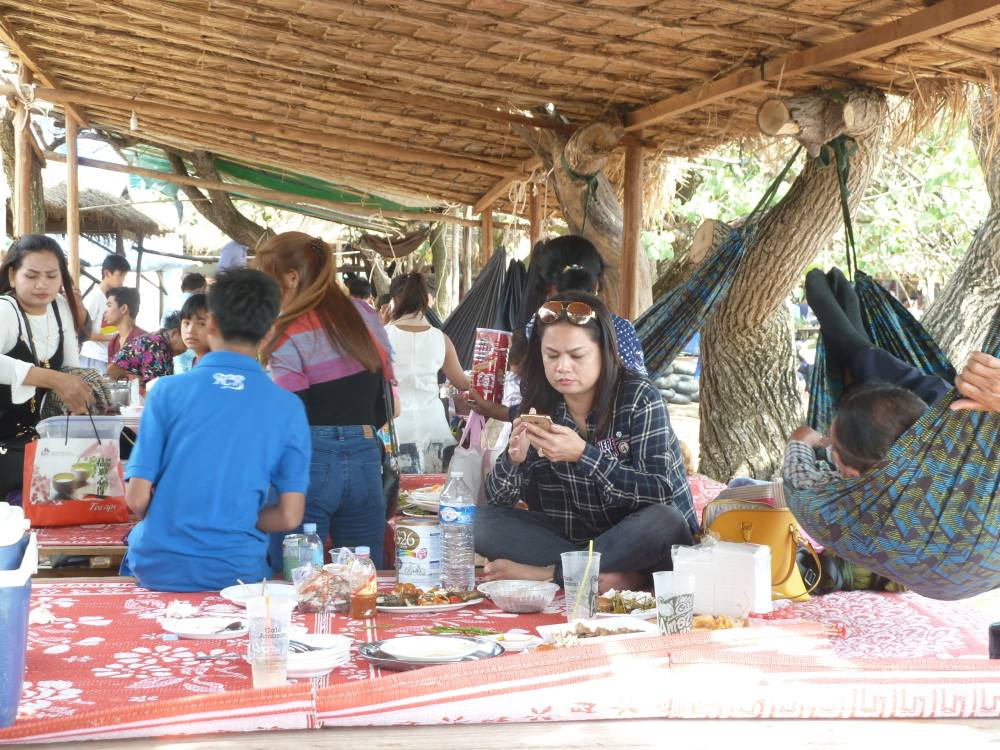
{"x":457,"y":514}
{"x":363,"y":582}
{"x":311,"y":550}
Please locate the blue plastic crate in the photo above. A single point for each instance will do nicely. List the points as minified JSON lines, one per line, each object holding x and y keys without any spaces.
{"x":15,"y":597}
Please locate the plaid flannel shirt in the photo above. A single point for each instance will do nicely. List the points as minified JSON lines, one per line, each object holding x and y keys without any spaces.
{"x":801,"y":470}
{"x":638,"y":464}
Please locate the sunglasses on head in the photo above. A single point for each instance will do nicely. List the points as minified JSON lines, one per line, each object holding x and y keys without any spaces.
{"x":578,"y":313}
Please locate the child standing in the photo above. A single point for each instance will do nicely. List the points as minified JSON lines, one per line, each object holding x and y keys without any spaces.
{"x":194,"y":319}
{"x":201,"y":485}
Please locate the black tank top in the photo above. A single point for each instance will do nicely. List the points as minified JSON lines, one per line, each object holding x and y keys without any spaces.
{"x":19,"y":420}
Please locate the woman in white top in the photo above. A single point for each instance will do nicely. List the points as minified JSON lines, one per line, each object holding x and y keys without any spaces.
{"x":419,"y":352}
{"x":37,"y":339}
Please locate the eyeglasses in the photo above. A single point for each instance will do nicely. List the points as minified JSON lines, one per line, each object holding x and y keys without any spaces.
{"x":578,"y":313}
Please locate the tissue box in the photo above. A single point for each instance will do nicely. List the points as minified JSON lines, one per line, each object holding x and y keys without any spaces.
{"x":729,"y":578}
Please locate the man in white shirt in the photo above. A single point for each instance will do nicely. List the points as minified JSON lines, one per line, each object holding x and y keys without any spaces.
{"x":94,"y":352}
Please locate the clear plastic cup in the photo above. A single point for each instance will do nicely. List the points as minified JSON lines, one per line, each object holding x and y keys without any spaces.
{"x":267,"y":650}
{"x":580,"y":571}
{"x":674,"y":601}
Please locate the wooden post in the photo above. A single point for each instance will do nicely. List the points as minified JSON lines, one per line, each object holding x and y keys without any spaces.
{"x":22,"y":162}
{"x":486,"y":236}
{"x":466,"y":262}
{"x":138,"y":262}
{"x":159,"y":286}
{"x":72,"y":201}
{"x":535,"y":215}
{"x":631,"y":229}
{"x":119,"y":244}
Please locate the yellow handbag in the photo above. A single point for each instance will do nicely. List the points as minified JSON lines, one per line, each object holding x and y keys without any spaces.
{"x":778,"y":529}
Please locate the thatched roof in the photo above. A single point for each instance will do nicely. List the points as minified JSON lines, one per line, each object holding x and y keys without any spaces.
{"x":419,"y":95}
{"x":101,"y":215}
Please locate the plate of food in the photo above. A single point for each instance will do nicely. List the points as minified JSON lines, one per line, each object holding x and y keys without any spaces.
{"x":239,"y":593}
{"x":515,"y":640}
{"x":415,"y":511}
{"x":408,"y":598}
{"x":597,"y":630}
{"x":205,"y":628}
{"x":426,"y":498}
{"x":416,"y":651}
{"x":613,"y":603}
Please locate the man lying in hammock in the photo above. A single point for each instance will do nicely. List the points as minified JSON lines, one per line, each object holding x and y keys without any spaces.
{"x":873,"y":415}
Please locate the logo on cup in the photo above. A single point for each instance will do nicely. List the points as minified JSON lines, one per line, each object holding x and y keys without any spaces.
{"x":674,"y":614}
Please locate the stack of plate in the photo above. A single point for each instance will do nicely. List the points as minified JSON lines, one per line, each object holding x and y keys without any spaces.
{"x":131,"y":416}
{"x":335,"y":651}
{"x":416,"y":651}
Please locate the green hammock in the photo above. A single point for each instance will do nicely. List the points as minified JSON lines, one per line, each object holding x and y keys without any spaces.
{"x":928,"y":515}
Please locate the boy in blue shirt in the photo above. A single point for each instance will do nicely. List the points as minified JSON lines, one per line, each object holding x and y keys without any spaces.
{"x":211,"y":444}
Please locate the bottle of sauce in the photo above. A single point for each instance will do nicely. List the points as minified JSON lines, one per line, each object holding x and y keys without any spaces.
{"x":363,"y":580}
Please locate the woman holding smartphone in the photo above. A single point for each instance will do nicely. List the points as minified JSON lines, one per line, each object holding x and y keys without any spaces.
{"x":605,"y":465}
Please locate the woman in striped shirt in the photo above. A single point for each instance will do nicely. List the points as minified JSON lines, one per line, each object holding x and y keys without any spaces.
{"x":333,"y":352}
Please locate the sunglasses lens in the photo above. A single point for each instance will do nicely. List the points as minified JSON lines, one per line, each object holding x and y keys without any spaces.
{"x":549,"y":311}
{"x":579,"y":312}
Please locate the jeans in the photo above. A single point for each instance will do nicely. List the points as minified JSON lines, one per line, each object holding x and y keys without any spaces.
{"x":345,"y":498}
{"x":640,"y":542}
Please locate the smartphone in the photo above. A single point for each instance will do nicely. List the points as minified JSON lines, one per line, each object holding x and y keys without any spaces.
{"x":539,"y":420}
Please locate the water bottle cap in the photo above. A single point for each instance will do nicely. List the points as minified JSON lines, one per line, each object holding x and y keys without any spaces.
{"x":309,"y":528}
{"x":362,"y":551}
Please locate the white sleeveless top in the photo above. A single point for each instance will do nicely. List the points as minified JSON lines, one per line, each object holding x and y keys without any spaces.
{"x":416,"y":359}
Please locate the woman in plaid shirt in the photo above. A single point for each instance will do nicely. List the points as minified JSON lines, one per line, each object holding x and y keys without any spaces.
{"x":608,"y":469}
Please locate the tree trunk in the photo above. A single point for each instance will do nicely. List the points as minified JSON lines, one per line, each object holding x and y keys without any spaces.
{"x":438,"y":239}
{"x":447,"y":272}
{"x":217,"y":206}
{"x":709,"y":236}
{"x":749,"y":402}
{"x":594,"y":213}
{"x":960,"y":315}
{"x":37,"y":188}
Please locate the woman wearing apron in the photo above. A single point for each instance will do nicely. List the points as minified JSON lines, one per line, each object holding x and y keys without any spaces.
{"x":37,"y":339}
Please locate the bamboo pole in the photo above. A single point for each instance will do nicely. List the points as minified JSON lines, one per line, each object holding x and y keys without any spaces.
{"x":631,"y":229}
{"x":72,"y":201}
{"x":22,"y":161}
{"x":138,"y":263}
{"x":535,"y":215}
{"x":486,"y":237}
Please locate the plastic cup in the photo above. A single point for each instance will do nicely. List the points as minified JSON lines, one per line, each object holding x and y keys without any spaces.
{"x":674,"y":601}
{"x":580,"y":583}
{"x":267,"y":649}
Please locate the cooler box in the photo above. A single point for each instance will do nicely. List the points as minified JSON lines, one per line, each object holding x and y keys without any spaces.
{"x":15,"y":596}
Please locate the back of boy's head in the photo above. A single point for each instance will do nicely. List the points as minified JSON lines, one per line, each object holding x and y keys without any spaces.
{"x":126,"y":295}
{"x":196,"y":303}
{"x":870,"y":419}
{"x":115,"y":264}
{"x":245,"y":304}
{"x":193,"y":282}
{"x":359,"y":288}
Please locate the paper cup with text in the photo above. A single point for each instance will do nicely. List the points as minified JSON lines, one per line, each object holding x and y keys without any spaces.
{"x":674,"y":601}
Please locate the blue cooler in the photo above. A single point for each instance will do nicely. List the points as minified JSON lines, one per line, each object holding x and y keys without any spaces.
{"x":15,"y":595}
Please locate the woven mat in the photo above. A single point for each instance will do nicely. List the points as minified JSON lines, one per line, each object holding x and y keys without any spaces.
{"x":102,"y":669}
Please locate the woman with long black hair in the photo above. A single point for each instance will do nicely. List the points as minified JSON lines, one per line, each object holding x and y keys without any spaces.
{"x":37,"y":339}
{"x":608,"y":469}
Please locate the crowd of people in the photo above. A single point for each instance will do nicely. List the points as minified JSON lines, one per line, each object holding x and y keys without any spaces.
{"x":273,"y":419}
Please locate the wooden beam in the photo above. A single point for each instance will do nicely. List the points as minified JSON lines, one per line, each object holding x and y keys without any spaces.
{"x":631,"y":230}
{"x":936,"y":20}
{"x":500,"y":189}
{"x":72,"y":201}
{"x":279,"y":196}
{"x":328,"y":139}
{"x":485,"y":237}
{"x":534,"y":214}
{"x":22,"y":162}
{"x":30,"y":59}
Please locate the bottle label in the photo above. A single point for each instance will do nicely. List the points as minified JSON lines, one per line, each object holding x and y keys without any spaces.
{"x":457,"y":515}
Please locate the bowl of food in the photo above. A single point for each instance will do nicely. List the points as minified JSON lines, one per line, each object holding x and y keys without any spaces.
{"x":520,"y":597}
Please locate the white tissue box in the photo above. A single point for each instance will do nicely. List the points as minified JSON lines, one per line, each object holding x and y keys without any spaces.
{"x":729,"y":578}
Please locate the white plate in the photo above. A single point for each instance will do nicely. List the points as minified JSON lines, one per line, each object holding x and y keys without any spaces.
{"x":239,"y":594}
{"x":429,"y":647}
{"x":642,"y":614}
{"x":430,"y":607}
{"x":411,"y":514}
{"x":333,"y":648}
{"x":514,"y":640}
{"x":204,"y":628}
{"x":425,"y":504}
{"x":295,"y":673}
{"x":645,"y":629}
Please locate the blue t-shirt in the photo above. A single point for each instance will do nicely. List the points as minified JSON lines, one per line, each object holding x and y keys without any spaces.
{"x":212,"y":441}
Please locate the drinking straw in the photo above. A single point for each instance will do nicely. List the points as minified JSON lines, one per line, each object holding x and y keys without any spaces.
{"x":268,"y":642}
{"x":586,"y":574}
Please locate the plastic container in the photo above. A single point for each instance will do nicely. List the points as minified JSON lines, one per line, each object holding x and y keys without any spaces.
{"x":108,"y":428}
{"x":363,"y":580}
{"x":15,"y":597}
{"x":520,"y":597}
{"x":457,"y":514}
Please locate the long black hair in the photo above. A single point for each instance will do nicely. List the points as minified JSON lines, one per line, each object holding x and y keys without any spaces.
{"x":869,"y":420}
{"x":535,"y":386}
{"x":38,"y":243}
{"x":413,"y":297}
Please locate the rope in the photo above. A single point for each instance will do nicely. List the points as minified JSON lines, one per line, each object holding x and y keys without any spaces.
{"x":839,"y":151}
{"x":591,"y":192}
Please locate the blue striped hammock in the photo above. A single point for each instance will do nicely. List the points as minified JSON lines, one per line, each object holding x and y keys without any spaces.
{"x":928,"y":515}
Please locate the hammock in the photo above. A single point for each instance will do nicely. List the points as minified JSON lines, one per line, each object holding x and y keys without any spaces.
{"x":890,"y":326}
{"x":478,"y":309}
{"x":670,"y":322}
{"x":928,"y":515}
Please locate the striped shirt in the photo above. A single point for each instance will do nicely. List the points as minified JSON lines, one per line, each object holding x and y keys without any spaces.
{"x":802,"y":471}
{"x":638,"y":464}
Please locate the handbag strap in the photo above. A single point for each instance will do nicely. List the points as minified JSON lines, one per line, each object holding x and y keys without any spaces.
{"x":797,"y":541}
{"x":389,"y":408}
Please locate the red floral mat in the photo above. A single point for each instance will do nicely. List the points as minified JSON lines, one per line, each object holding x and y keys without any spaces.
{"x":101,"y":668}
{"x":95,"y":535}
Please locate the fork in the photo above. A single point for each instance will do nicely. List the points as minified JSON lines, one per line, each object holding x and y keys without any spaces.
{"x":298,"y":647}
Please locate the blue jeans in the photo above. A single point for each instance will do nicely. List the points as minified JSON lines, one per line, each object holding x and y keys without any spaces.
{"x":345,"y":498}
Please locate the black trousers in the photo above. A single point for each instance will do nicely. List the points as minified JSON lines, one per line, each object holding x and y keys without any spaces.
{"x":873,"y":364}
